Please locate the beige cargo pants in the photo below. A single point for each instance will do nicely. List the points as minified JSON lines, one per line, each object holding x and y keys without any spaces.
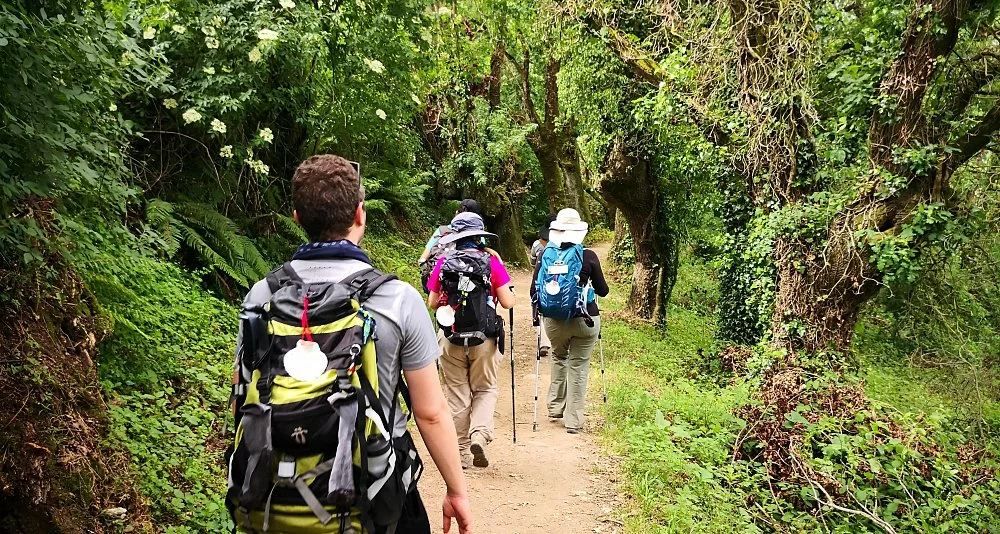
{"x":470,"y":383}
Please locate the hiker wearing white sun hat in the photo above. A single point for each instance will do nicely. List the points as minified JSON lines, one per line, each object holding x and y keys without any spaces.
{"x":566,"y":278}
{"x":568,"y":228}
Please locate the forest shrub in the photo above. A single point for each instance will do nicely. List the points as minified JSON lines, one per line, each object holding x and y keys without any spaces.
{"x":692,"y":462}
{"x":167,"y":369}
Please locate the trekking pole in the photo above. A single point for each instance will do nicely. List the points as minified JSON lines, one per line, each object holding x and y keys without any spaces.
{"x":538,"y":362}
{"x":604,"y":386}
{"x":513,"y":401}
{"x":600,"y":343}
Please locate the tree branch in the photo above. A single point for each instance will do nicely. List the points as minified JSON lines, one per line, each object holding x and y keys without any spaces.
{"x":976,"y":74}
{"x":644,"y":67}
{"x":979,"y":137}
{"x":931,"y":33}
{"x":551,"y":94}
{"x":525,"y":72}
{"x":496,"y":72}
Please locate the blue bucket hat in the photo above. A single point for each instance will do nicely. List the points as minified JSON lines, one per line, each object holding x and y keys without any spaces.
{"x":465,"y":225}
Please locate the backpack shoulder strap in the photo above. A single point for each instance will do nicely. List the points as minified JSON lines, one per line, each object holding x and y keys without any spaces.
{"x":364,"y":282}
{"x":445,"y":229}
{"x":280,"y":276}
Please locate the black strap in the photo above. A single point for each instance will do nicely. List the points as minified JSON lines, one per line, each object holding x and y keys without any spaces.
{"x":366,"y":281}
{"x":281,"y":276}
{"x":364,"y":505}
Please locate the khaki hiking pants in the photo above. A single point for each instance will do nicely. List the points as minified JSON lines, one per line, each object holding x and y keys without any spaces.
{"x":572,"y":344}
{"x":470,"y":383}
{"x":544,"y":345}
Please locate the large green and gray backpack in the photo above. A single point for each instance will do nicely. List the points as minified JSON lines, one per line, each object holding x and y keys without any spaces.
{"x":313,"y":454}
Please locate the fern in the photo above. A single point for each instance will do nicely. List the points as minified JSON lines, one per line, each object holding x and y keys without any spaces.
{"x":287,"y":226}
{"x":160,"y":215}
{"x":215,"y":238}
{"x":108,"y":289}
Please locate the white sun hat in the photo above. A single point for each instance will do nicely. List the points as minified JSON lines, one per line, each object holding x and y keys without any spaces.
{"x":568,"y":227}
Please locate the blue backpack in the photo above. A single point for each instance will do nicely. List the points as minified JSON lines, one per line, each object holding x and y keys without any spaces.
{"x":560,"y":268}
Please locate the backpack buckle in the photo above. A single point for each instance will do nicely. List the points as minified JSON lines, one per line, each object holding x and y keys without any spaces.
{"x":345,"y":389}
{"x":286,"y":471}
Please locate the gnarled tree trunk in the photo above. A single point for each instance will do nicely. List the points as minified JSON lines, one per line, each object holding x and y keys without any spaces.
{"x":630,"y":186}
{"x":576,"y":191}
{"x":820,"y":292}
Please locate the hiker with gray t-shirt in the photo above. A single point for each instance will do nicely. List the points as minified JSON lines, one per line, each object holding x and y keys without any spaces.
{"x":329,"y":204}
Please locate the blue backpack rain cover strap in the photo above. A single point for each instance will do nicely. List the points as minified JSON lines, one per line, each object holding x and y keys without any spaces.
{"x":558,"y":289}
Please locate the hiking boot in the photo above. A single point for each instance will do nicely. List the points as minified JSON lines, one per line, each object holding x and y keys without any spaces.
{"x":572,"y":430}
{"x":554,"y":417}
{"x":543,"y":352}
{"x":466,"y":460}
{"x":479,"y":458}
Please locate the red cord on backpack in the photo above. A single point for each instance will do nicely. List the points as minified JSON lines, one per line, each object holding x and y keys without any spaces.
{"x":306,"y":334}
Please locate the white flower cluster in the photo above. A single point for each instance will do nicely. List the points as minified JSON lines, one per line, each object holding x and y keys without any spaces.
{"x":149,"y":33}
{"x":191,"y":115}
{"x":211,"y":42}
{"x":267,"y":135}
{"x":287,"y":4}
{"x":380,"y":113}
{"x":267,"y":35}
{"x":170,"y":103}
{"x":254,"y":55}
{"x":218,"y":126}
{"x":374,"y":65}
{"x":258,"y":166}
{"x":208,"y":70}
{"x":178,"y":29}
{"x":226,"y":151}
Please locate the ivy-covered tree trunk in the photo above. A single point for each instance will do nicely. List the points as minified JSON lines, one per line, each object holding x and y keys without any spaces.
{"x":740,"y":318}
{"x":820,"y":291}
{"x":544,"y":140}
{"x":499,"y":197}
{"x":548,"y":162}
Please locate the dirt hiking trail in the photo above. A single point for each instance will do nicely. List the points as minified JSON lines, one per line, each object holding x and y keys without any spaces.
{"x":550,"y":481}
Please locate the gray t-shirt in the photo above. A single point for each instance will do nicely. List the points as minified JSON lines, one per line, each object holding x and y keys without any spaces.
{"x":405,"y":337}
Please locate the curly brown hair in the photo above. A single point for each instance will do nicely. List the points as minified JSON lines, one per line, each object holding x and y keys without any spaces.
{"x":326,"y":191}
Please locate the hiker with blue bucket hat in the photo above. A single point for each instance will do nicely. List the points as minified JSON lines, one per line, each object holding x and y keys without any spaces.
{"x":466,"y":285}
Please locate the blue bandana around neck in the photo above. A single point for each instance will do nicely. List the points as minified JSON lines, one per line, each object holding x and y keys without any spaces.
{"x":331,"y":250}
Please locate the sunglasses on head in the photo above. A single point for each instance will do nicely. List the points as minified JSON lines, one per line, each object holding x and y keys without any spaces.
{"x":357,"y":169}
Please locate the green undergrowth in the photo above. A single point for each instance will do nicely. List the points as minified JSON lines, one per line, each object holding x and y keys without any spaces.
{"x":166,"y":369}
{"x":397,"y":253}
{"x":669,"y":419}
{"x":918,"y":454}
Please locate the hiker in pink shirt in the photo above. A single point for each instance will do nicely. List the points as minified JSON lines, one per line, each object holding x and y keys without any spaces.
{"x":466,"y":285}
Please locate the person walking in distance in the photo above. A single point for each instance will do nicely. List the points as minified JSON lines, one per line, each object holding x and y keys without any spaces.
{"x":466,"y":286}
{"x":305,"y":354}
{"x":434,"y":248}
{"x":544,"y":345}
{"x":567,"y":276}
